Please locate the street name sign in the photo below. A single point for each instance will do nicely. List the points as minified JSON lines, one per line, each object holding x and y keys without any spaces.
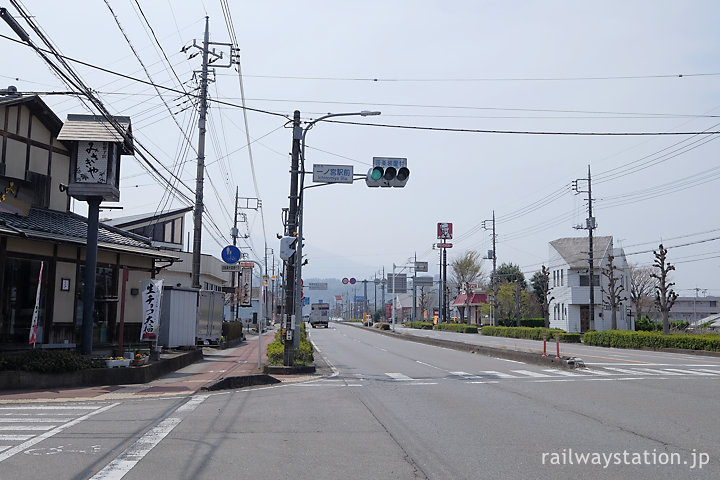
{"x":332,"y":173}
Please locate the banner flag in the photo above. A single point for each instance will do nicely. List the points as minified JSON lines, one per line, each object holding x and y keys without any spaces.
{"x":151,"y":296}
{"x":34,"y":324}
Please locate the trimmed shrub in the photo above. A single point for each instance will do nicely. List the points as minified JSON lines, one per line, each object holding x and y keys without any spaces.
{"x":647,"y":325}
{"x":46,"y":361}
{"x":457,"y":327}
{"x":420,"y":325}
{"x":524,"y":322}
{"x":521,"y":332}
{"x":232,"y":330}
{"x":303,"y":355}
{"x":654,"y":340}
{"x":570,"y":337}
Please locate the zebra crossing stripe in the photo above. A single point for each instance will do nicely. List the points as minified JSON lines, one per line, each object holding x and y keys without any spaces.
{"x":627,"y":371}
{"x":531,"y":374}
{"x":597,"y":372}
{"x":658,"y":372}
{"x":493,"y":373}
{"x":14,"y":438}
{"x":689,"y":372}
{"x":561,"y":372}
{"x":714,"y":372}
{"x":398,"y":376}
{"x":26,"y":427}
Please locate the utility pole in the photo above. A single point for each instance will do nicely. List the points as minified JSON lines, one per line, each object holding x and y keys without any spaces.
{"x":589,"y":226}
{"x":444,"y":284}
{"x":198,"y":211}
{"x":202,"y":121}
{"x":493,"y":282}
{"x":414,"y":307}
{"x":235,"y":310}
{"x":383,"y":295}
{"x":291,"y":231}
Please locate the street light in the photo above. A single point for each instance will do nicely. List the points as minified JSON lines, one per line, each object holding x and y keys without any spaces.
{"x":298,"y":255}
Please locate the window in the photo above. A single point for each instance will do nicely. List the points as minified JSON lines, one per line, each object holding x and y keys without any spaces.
{"x":585,"y":280}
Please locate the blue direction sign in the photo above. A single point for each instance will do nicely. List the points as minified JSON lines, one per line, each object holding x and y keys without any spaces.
{"x":231,"y":254}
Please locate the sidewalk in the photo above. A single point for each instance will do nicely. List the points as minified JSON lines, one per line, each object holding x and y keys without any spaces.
{"x":216,"y":364}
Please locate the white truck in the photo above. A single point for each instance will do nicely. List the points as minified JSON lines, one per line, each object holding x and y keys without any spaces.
{"x":319,"y":313}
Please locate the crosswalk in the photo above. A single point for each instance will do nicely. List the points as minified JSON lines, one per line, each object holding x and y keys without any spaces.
{"x":23,"y":426}
{"x":592,"y":373}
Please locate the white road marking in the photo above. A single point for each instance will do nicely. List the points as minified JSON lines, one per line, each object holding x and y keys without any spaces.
{"x":119,"y":467}
{"x":531,"y":374}
{"x":511,"y":361}
{"x":561,"y":372}
{"x":14,"y":438}
{"x":627,"y":371}
{"x":493,"y":373}
{"x":597,"y":372}
{"x":27,"y":427}
{"x":51,"y":407}
{"x":399,"y":376}
{"x":714,"y":372}
{"x":689,"y":372}
{"x":19,"y":448}
{"x":658,"y":372}
{"x":34,"y":420}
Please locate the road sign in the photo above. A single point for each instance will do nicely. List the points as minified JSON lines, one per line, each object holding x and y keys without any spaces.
{"x":317,"y":286}
{"x":421,"y":266}
{"x":352,"y":281}
{"x":332,"y":173}
{"x":444,"y":245}
{"x":345,"y":281}
{"x":247,"y":264}
{"x":231,"y":254}
{"x":231,"y":268}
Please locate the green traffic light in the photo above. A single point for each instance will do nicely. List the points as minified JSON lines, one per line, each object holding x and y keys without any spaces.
{"x":377,"y":173}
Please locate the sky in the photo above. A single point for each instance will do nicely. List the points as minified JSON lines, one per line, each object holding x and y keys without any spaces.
{"x":497,"y":107}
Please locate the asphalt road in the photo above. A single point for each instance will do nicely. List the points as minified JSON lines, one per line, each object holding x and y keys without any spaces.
{"x":393,"y":409}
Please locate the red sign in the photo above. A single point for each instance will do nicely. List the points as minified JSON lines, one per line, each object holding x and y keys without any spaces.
{"x":345,"y":281}
{"x":444,"y":245}
{"x":444,"y":231}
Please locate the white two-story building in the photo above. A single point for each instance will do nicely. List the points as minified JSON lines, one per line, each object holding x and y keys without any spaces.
{"x":570,"y":285}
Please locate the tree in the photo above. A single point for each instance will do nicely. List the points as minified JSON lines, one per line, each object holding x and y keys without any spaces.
{"x":642,"y":285}
{"x":540,"y":282}
{"x":466,"y":270}
{"x":665,"y":296}
{"x":426,"y":300}
{"x":509,"y":273}
{"x":614,"y":290}
{"x":512,"y":302}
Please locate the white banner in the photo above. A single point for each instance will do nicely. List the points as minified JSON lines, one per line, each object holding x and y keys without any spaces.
{"x":34,"y":324}
{"x":151,"y":296}
{"x":245,"y":288}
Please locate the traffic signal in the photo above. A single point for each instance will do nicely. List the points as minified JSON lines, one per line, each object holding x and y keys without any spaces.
{"x":388,"y":172}
{"x":287,"y":247}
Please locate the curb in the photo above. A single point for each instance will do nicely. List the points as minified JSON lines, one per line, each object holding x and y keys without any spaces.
{"x":20,"y":380}
{"x":506,"y":353}
{"x":285,"y":370}
{"x":239,"y":382}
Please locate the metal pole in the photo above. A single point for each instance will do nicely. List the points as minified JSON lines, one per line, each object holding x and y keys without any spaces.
{"x":591,"y":225}
{"x":90,"y":273}
{"x":198,"y":211}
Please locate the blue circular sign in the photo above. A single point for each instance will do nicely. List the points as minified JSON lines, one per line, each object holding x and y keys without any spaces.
{"x":352,"y":281}
{"x":231,"y":254}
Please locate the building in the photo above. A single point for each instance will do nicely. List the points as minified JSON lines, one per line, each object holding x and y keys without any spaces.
{"x":570,"y":285}
{"x":473,"y":302}
{"x":693,"y":309}
{"x":38,"y":232}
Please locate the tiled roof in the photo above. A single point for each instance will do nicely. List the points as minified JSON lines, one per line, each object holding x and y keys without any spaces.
{"x":72,"y":228}
{"x":475,"y":299}
{"x":96,"y":128}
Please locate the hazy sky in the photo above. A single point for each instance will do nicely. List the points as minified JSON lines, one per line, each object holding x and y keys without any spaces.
{"x":457,"y":69}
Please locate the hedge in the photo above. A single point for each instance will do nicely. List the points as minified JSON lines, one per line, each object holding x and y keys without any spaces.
{"x":529,"y":333}
{"x":232,"y":330}
{"x":420,"y":325}
{"x":303,"y":355}
{"x":524,"y":322}
{"x":654,"y":340}
{"x":46,"y":361}
{"x":457,"y":327}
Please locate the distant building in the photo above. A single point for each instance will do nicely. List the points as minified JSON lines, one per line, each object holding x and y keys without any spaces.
{"x":570,"y":284}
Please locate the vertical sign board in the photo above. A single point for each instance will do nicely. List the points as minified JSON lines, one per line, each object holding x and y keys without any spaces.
{"x":151,"y":296}
{"x":245,"y":287}
{"x":444,"y":231}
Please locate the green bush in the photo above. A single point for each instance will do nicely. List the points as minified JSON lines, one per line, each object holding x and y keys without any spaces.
{"x":420,"y":325}
{"x":570,"y":337}
{"x":232,"y":330}
{"x":457,"y":327}
{"x":524,"y":322}
{"x":654,"y":340}
{"x":647,"y":325}
{"x":303,"y":355}
{"x":535,"y":333}
{"x":46,"y":361}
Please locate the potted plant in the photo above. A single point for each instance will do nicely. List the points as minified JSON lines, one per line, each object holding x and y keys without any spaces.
{"x":139,"y":360}
{"x":114,"y":362}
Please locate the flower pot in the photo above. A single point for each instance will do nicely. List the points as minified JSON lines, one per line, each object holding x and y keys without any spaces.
{"x":117,"y":363}
{"x":139,"y":361}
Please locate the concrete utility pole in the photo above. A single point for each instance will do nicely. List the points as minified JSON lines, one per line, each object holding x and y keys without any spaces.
{"x":235,"y":310}
{"x":202,"y":121}
{"x":493,"y":282}
{"x":198,"y":211}
{"x":589,"y":226}
{"x":291,"y":231}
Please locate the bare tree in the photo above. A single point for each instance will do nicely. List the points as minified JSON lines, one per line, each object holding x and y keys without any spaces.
{"x":642,"y":285}
{"x":541,"y":288}
{"x":466,"y":271}
{"x":665,"y":296}
{"x":613,"y":294}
